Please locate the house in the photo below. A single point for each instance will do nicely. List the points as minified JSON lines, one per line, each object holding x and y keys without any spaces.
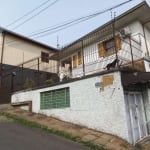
{"x":108,"y":72}
{"x":20,"y":57}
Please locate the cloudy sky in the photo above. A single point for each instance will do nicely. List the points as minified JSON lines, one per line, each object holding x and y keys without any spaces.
{"x":48,"y":14}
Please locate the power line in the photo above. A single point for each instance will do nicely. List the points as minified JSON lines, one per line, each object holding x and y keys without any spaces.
{"x":69,"y":23}
{"x":35,"y":14}
{"x":72,"y":22}
{"x":28,"y":13}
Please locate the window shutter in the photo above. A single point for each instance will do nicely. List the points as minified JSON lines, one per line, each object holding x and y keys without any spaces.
{"x":74,"y":61}
{"x":79,"y":58}
{"x":101,"y":50}
{"x":118,"y":43}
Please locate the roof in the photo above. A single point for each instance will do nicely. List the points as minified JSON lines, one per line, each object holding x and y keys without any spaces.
{"x":138,"y":12}
{"x":131,"y":78}
{"x":28,"y":39}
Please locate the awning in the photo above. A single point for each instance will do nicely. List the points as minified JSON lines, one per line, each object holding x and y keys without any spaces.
{"x":129,"y":78}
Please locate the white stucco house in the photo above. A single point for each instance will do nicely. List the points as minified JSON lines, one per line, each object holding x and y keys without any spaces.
{"x":102,"y":93}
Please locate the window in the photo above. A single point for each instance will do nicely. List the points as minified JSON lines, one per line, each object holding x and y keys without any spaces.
{"x":74,"y":61}
{"x":79,"y":58}
{"x":45,"y":57}
{"x":59,"y":98}
{"x":107,"y":48}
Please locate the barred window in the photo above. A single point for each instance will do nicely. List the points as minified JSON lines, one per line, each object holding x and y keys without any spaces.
{"x":59,"y":98}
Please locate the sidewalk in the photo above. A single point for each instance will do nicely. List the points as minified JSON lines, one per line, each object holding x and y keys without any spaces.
{"x":98,"y":138}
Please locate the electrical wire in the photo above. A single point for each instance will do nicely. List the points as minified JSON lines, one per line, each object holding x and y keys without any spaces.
{"x":35,"y":15}
{"x":69,"y":23}
{"x":28,"y":13}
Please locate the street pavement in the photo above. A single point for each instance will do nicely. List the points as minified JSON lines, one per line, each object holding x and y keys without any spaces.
{"x":17,"y":137}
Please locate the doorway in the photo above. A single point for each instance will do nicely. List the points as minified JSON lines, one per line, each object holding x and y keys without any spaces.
{"x":137,"y":128}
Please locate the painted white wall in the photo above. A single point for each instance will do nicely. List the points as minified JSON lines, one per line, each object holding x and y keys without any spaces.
{"x":147,"y":65}
{"x":89,"y":106}
{"x":147,"y":34}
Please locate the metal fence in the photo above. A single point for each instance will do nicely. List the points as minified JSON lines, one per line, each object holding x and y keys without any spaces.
{"x":36,"y":73}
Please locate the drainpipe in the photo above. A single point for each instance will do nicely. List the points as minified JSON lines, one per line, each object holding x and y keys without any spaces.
{"x":145,"y":40}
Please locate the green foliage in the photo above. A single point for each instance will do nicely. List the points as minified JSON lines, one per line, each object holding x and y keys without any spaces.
{"x":29,"y":83}
{"x":49,"y":81}
{"x":138,"y":146}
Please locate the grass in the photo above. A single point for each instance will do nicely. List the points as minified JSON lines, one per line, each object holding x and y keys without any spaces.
{"x":138,"y":147}
{"x":51,"y":131}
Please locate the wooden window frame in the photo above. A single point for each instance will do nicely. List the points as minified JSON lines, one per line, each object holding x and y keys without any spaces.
{"x":74,"y":61}
{"x":79,"y":57}
{"x":45,"y":57}
{"x":104,"y":52}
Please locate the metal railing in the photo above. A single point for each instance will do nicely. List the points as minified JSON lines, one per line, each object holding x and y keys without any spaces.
{"x":35,"y":73}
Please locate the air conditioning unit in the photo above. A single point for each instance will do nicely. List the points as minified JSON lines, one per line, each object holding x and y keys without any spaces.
{"x":125,"y":32}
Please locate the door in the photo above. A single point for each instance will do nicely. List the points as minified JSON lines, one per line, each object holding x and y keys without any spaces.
{"x":136,"y":116}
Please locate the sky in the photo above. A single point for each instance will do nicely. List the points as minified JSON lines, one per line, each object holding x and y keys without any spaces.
{"x":58,"y":13}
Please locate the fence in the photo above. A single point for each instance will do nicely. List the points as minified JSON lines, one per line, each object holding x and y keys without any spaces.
{"x":36,"y":73}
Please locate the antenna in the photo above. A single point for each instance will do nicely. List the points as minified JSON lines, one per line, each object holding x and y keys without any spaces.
{"x":58,"y":46}
{"x":111,"y":14}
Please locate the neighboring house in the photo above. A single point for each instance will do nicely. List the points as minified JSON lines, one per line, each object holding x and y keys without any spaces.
{"x":20,"y":59}
{"x":110,"y":70}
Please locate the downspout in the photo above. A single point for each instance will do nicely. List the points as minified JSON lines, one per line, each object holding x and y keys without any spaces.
{"x":145,"y":40}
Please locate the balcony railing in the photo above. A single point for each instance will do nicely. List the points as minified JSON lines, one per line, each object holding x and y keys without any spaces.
{"x":36,"y":73}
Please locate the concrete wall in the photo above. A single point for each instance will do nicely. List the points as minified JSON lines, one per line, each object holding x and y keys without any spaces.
{"x":101,"y":109}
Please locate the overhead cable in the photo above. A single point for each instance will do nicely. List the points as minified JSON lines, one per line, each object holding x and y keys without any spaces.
{"x":51,"y":4}
{"x":28,"y":13}
{"x":69,"y":23}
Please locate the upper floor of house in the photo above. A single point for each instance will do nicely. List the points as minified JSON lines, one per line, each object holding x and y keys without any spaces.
{"x":19,"y":51}
{"x":122,"y":42}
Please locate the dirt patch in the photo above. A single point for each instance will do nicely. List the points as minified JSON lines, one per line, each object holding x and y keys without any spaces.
{"x":4,"y":119}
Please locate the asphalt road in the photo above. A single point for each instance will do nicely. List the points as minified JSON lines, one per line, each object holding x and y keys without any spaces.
{"x":17,"y":137}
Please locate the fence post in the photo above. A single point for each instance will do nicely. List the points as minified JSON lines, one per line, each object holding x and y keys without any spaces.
{"x":13,"y":74}
{"x":131,"y":52}
{"x":83,"y":58}
{"x":38,"y":64}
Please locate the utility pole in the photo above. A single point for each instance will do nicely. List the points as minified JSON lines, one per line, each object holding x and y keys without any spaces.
{"x":114,"y":36}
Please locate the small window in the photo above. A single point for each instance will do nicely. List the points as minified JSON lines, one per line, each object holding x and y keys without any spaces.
{"x":59,"y":98}
{"x":45,"y":57}
{"x":74,"y":61}
{"x":79,"y":58}
{"x":107,"y":48}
